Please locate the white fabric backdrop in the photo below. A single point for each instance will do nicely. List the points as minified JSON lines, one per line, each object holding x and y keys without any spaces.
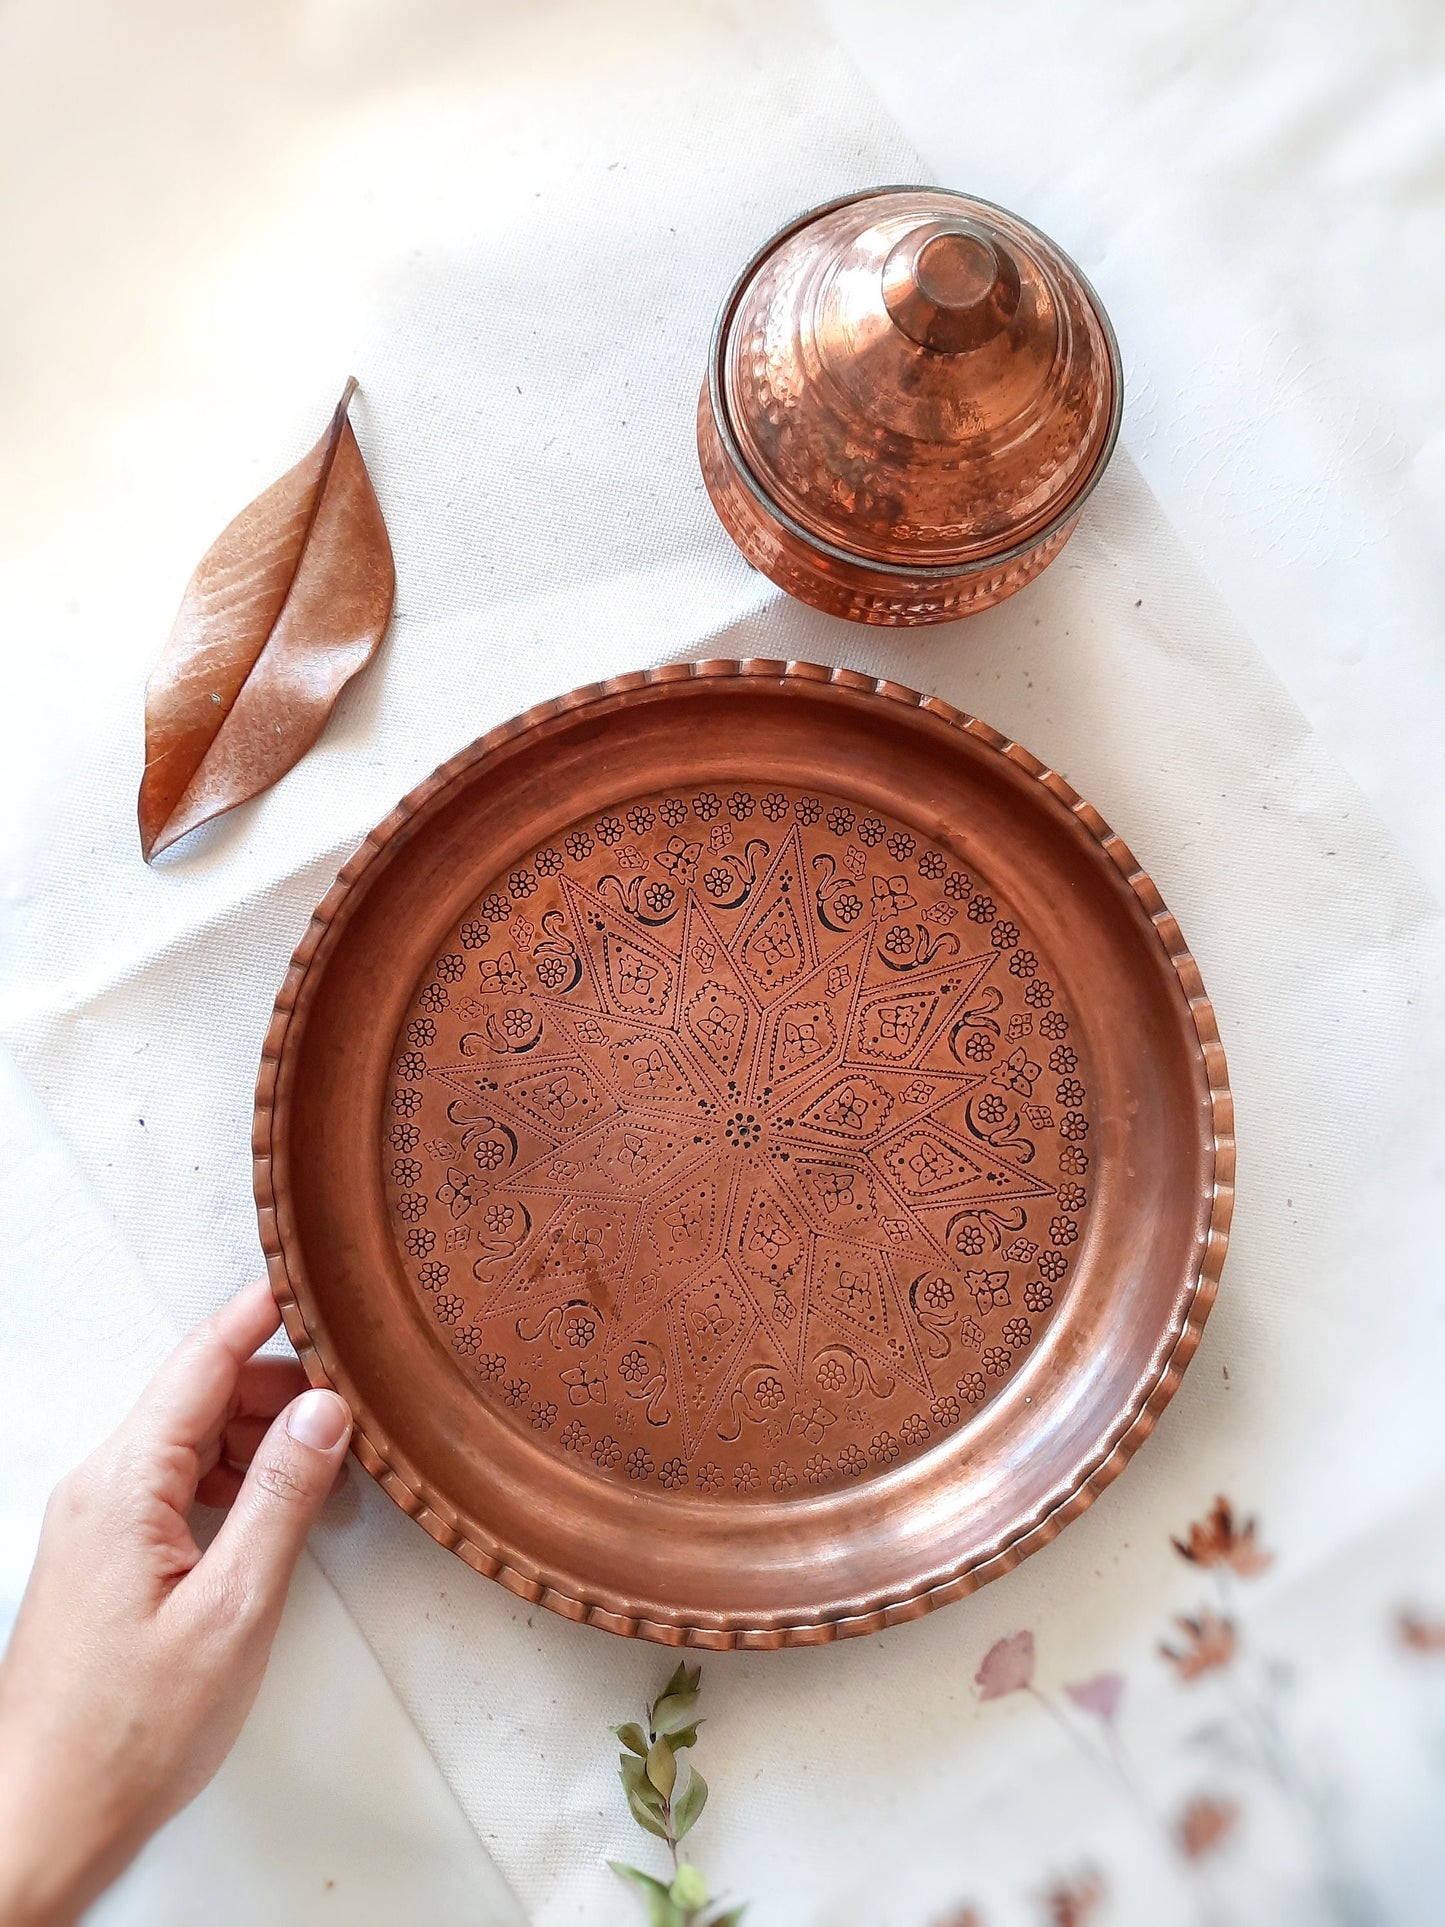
{"x":515,"y":231}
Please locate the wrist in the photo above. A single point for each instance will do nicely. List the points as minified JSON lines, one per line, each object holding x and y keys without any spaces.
{"x":52,"y":1864}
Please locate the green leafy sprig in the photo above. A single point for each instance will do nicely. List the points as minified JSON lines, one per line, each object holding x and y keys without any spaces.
{"x":666,"y":1797}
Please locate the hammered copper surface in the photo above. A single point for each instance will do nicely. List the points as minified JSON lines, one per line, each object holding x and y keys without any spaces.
{"x":910,"y":393}
{"x":746,"y":1152}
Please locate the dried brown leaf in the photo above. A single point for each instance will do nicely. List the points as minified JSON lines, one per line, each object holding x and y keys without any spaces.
{"x":288,"y":603}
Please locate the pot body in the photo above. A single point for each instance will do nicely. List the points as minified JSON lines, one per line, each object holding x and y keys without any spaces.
{"x":910,"y":394}
{"x":849,"y":586}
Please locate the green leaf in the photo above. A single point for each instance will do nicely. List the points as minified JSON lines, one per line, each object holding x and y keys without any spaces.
{"x":687,"y":1737}
{"x":662,"y":1767}
{"x":660,"y":1909}
{"x":679,"y":1682}
{"x":674,"y":1713}
{"x":689,"y":1889}
{"x":634,"y":1778}
{"x":690,"y":1806}
{"x":632,"y":1737}
{"x":648,"y":1821}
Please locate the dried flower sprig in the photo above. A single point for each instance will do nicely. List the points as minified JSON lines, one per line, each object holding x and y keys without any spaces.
{"x":666,"y":1799}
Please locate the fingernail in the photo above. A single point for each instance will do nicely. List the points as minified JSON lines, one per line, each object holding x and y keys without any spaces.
{"x":318,"y":1419}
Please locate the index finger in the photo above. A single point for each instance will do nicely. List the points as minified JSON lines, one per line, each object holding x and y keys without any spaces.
{"x":188,"y":1398}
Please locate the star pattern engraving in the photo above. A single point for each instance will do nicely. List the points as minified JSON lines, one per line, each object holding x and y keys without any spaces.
{"x":749,"y":1137}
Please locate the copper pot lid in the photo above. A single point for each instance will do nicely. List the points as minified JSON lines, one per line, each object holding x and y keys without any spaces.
{"x":753,"y":1149}
{"x":917,"y":377}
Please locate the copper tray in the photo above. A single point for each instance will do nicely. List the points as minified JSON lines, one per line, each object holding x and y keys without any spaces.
{"x":752,"y":1147}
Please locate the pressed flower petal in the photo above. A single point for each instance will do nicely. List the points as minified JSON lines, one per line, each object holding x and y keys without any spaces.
{"x":1008,"y":1667}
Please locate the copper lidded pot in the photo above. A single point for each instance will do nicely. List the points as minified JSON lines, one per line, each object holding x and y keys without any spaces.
{"x":909,"y":397}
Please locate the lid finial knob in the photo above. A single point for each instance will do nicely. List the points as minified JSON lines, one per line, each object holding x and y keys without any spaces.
{"x":950,"y":287}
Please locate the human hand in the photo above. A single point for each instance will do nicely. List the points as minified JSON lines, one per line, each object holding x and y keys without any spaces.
{"x":135,"y":1656}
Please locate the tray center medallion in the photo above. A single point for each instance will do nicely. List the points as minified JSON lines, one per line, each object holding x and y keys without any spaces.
{"x":738,"y":1144}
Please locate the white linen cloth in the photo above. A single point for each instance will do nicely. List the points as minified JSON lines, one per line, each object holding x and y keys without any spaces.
{"x":515,"y":230}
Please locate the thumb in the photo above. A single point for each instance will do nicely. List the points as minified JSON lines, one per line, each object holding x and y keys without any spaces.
{"x":294,"y":1467}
